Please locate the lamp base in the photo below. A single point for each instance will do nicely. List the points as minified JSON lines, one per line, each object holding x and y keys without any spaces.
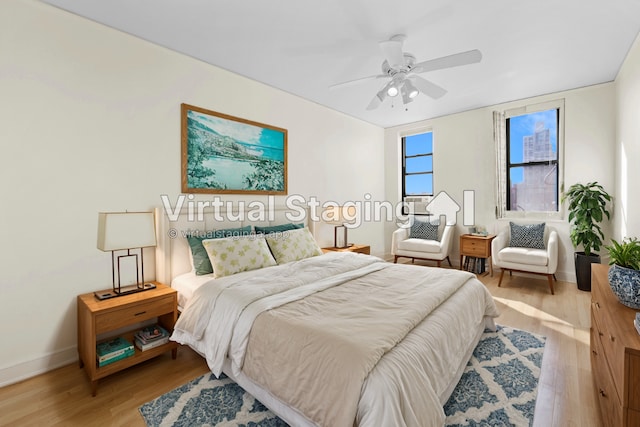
{"x":124,"y":290}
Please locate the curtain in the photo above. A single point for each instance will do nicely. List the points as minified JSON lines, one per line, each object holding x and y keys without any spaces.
{"x":500,"y":139}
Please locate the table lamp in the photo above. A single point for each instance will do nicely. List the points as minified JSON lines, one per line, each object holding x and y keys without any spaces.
{"x":130,"y":232}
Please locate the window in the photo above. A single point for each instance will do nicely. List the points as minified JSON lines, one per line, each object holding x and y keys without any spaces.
{"x":529,"y":144}
{"x":417,"y":165}
{"x":532,"y":161}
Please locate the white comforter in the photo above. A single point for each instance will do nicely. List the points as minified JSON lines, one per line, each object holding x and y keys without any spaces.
{"x":406,"y":386}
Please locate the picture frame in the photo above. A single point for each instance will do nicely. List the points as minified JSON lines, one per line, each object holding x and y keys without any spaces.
{"x":226,"y":154}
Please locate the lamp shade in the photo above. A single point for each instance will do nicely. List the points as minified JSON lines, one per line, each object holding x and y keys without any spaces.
{"x":340,"y":214}
{"x":126,"y":230}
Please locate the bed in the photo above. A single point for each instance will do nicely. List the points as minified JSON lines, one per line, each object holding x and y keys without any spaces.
{"x":337,"y":339}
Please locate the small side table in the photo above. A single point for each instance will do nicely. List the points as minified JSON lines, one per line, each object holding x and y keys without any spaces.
{"x":361,"y":249}
{"x":112,"y":315}
{"x":477,"y":247}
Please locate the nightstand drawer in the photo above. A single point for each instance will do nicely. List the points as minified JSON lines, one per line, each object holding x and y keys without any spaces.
{"x":474,"y":248}
{"x":134,"y":312}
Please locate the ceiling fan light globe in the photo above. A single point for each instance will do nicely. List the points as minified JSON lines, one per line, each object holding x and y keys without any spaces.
{"x":413,"y":93}
{"x":392,"y":91}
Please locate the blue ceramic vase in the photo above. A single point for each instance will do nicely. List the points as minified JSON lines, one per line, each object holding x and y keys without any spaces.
{"x":625,"y":284}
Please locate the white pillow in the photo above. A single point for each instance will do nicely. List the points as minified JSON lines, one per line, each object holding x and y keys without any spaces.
{"x":292,"y":245}
{"x":232,"y":255}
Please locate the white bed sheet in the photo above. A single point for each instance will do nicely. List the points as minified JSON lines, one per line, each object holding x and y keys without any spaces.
{"x":186,"y":284}
{"x":189,"y":282}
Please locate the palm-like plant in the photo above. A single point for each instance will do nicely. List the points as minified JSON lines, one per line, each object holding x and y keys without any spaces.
{"x":587,"y":208}
{"x":625,"y":254}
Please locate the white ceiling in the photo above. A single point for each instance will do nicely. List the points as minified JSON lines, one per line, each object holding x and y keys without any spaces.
{"x":529,"y":47}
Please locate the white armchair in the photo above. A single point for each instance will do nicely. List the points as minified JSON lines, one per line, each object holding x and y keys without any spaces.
{"x":432,"y":250}
{"x":526,"y":260}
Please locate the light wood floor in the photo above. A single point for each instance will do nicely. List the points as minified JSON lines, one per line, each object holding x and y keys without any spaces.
{"x":566,"y":395}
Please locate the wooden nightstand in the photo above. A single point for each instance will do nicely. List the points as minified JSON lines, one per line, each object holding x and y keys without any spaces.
{"x":476,"y":247}
{"x":361,"y":249}
{"x":101,"y":317}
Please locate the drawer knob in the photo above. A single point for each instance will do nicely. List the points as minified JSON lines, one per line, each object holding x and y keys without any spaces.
{"x":140,"y":313}
{"x":612,"y":338}
{"x":600,"y":334}
{"x":602,"y":393}
{"x":597,"y":304}
{"x":595,"y":353}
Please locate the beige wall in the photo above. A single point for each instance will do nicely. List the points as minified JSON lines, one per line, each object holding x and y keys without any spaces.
{"x":627,"y":168}
{"x":91,"y":122}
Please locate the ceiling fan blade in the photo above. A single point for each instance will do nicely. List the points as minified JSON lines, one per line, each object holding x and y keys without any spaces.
{"x":455,"y":60}
{"x":392,"y":50}
{"x":356,"y":81}
{"x":375,"y":102}
{"x":428,"y":88}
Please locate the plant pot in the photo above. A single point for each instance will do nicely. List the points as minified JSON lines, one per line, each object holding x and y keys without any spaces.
{"x":583,"y":269}
{"x":625,"y":284}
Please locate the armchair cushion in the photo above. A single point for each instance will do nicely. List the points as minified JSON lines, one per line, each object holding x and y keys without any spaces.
{"x":524,"y":256}
{"x":420,"y":245}
{"x":527,"y":236}
{"x":423,"y":230}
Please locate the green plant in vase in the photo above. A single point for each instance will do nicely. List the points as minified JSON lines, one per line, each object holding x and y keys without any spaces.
{"x":624,"y":273}
{"x":587,"y":209}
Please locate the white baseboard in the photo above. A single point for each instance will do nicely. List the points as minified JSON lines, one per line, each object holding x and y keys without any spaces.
{"x":31,"y":368}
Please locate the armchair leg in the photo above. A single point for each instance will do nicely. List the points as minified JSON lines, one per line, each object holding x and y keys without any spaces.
{"x":395,"y":259}
{"x":449,"y":261}
{"x":555,"y":278}
{"x":501,"y":275}
{"x":439,"y":263}
{"x":549,"y":276}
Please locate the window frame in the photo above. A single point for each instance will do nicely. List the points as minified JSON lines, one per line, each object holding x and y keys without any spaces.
{"x":504,"y":168}
{"x":404,"y":157}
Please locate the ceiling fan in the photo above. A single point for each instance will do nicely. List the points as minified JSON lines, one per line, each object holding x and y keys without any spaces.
{"x":401,"y":68}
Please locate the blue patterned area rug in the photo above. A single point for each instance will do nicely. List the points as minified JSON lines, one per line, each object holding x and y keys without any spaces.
{"x":497,"y":388}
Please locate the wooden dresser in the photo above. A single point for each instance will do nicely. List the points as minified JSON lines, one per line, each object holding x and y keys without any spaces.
{"x":615,"y":354}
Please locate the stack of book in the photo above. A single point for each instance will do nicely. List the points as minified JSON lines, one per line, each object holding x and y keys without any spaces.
{"x":150,"y":337}
{"x":113,"y":350}
{"x":636,"y":322}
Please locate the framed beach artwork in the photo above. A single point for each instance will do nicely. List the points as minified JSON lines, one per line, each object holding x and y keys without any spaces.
{"x":226,"y":154}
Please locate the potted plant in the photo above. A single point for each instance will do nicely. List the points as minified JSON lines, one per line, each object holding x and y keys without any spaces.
{"x":587,"y":209}
{"x":624,"y":277}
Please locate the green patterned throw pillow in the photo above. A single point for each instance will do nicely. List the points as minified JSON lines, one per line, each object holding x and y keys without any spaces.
{"x":235,"y":254}
{"x":293,"y":245}
{"x":199,"y":256}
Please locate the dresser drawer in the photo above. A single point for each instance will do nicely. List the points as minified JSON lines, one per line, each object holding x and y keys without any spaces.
{"x":634,"y":386}
{"x":612,"y":348}
{"x":134,"y":312}
{"x":608,"y":400}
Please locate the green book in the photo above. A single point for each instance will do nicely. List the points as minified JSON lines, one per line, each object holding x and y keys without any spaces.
{"x":112,"y":348}
{"x":127,"y":353}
